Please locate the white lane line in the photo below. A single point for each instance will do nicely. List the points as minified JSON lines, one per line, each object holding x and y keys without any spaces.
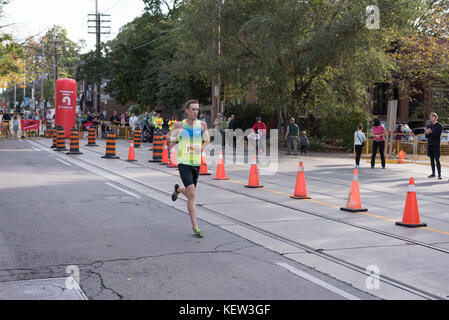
{"x":36,"y":149}
{"x":317,"y":281}
{"x":62,"y":161}
{"x":123,"y":190}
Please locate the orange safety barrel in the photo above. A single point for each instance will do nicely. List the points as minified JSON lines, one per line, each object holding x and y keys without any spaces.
{"x":74,"y":142}
{"x":158,"y":146}
{"x":137,"y":138}
{"x":91,"y":139}
{"x":60,"y":142}
{"x":55,"y":138}
{"x":110,"y":146}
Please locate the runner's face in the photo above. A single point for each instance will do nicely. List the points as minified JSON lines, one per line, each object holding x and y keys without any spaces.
{"x":192,"y":111}
{"x":432,"y":118}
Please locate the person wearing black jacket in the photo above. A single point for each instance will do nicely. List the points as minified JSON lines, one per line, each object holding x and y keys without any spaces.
{"x":115,"y":120}
{"x":433,"y":135}
{"x":233,"y":126}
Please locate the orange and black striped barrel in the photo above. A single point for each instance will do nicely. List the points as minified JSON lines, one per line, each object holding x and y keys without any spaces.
{"x":60,"y":142}
{"x":74,"y":142}
{"x":110,"y":146}
{"x":137,"y":138}
{"x":158,"y":146}
{"x":55,"y":138}
{"x":91,"y":139}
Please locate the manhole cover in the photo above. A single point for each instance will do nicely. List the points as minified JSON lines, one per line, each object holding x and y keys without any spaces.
{"x":41,"y":289}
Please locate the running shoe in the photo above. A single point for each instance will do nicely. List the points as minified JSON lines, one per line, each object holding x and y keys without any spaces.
{"x":198,"y":233}
{"x":175,"y":193}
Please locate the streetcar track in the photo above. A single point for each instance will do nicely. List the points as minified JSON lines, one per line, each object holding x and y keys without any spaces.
{"x":297,"y":209}
{"x":306,"y":248}
{"x":293,"y":176}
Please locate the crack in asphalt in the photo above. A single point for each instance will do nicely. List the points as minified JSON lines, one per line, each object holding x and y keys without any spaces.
{"x":92,"y":268}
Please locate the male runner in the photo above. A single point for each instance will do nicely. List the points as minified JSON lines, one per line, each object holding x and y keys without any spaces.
{"x":190,"y":134}
{"x":433,"y":135}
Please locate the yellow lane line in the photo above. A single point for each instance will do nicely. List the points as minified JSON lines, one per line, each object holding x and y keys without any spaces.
{"x":436,"y":230}
{"x":337,"y":207}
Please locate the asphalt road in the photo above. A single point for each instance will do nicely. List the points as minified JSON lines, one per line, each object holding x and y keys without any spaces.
{"x":129,"y":246}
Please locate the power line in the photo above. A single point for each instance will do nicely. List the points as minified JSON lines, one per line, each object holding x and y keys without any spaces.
{"x":112,"y":6}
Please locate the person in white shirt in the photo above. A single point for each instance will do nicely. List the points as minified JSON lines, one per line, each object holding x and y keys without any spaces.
{"x":359,"y":140}
{"x":133,"y":121}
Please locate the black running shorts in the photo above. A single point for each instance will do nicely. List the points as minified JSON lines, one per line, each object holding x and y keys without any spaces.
{"x":189,"y":174}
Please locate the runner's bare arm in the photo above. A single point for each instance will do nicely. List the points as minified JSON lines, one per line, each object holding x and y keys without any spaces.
{"x":205,"y":136}
{"x":173,"y":134}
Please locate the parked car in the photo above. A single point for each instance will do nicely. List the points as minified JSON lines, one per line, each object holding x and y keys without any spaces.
{"x":421,"y":134}
{"x":405,"y":129}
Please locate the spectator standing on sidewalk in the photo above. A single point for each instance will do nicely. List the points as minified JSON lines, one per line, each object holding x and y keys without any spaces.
{"x":292,"y":137}
{"x":15,"y":125}
{"x":259,"y":130}
{"x":133,"y":121}
{"x":359,"y":141}
{"x":379,"y":134}
{"x":217,"y":122}
{"x":433,"y":135}
{"x":304,"y":142}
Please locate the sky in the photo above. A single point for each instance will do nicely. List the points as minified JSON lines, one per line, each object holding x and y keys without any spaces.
{"x":35,"y":17}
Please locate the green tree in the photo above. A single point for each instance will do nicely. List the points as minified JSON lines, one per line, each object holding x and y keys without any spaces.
{"x":136,"y":62}
{"x":289,"y":49}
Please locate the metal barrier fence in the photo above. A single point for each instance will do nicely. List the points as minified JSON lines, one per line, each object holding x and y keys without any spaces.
{"x":101,"y":129}
{"x":6,"y":131}
{"x":415,"y":147}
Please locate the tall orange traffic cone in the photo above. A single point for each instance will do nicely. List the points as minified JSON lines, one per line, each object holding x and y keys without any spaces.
{"x":221,"y":172}
{"x":165,"y":159}
{"x":131,"y":156}
{"x":203,"y":167}
{"x":401,"y":156}
{"x":173,"y":161}
{"x":410,"y":218}
{"x":253,"y":181}
{"x":354,"y":204}
{"x":300,"y":188}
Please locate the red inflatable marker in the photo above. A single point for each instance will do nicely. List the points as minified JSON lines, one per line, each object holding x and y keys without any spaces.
{"x":65,"y":111}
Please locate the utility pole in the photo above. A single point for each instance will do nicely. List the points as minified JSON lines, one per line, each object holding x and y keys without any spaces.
{"x":42,"y":74}
{"x":217,"y":104}
{"x":99,"y":30}
{"x":56,"y":52}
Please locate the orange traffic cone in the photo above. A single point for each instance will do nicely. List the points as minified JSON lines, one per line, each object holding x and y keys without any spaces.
{"x":165,"y":159}
{"x":401,"y":156}
{"x":300,"y":188}
{"x":410,"y":217}
{"x":221,"y":173}
{"x":131,"y":156}
{"x":173,"y":161}
{"x":253,"y":181}
{"x":203,"y":167}
{"x":354,"y":204}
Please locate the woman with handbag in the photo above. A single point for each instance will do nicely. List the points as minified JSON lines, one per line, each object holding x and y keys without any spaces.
{"x":359,"y":142}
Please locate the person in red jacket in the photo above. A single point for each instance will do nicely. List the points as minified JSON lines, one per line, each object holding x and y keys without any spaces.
{"x":258,"y":131}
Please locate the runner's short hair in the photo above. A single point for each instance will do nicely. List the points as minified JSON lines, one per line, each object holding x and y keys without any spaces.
{"x":188,"y":103}
{"x":434,"y":114}
{"x":360,"y":126}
